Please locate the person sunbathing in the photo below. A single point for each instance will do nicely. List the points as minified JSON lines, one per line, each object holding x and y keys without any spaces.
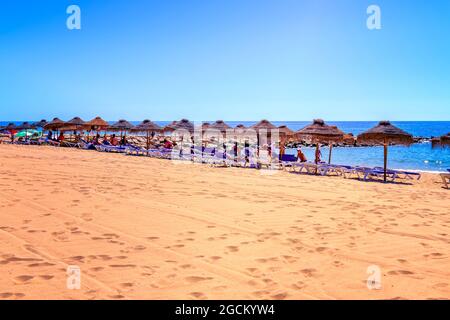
{"x":113,"y":140}
{"x":168,"y":144}
{"x":300,"y":155}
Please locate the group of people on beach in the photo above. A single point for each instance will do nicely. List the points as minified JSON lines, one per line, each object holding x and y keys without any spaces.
{"x":96,"y":140}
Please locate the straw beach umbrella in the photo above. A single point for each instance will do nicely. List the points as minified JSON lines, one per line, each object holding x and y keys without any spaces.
{"x":97,"y":124}
{"x":147,"y":126}
{"x":25,"y":126}
{"x":205,"y":126}
{"x":263,"y":125}
{"x":220,"y":125}
{"x":319,"y":132}
{"x":387,"y":134}
{"x":40,"y":124}
{"x":121,"y":126}
{"x":183,"y":124}
{"x":284,"y":130}
{"x":77,"y":121}
{"x":55,"y":124}
{"x":240,"y":131}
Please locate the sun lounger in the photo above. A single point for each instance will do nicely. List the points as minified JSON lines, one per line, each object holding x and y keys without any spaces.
{"x":264,"y":159}
{"x":287,"y":161}
{"x":68,"y":144}
{"x":401,"y":174}
{"x":445,"y":179}
{"x":346,"y":171}
{"x":307,"y":167}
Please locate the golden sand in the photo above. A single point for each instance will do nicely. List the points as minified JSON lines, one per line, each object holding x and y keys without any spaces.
{"x":142,"y":228}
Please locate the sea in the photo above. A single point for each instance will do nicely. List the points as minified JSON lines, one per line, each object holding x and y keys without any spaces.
{"x":417,"y":157}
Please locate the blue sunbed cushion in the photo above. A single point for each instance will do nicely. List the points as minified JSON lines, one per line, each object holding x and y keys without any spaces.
{"x":288,"y":158}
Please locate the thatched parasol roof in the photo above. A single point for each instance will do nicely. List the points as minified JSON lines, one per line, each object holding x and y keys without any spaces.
{"x":205,"y":126}
{"x":284,"y":130}
{"x":25,"y":126}
{"x":220,"y":125}
{"x":385,"y":131}
{"x":349,"y":138}
{"x":183,"y":124}
{"x":121,"y":125}
{"x":55,"y":124}
{"x":73,"y":125}
{"x":40,"y":124}
{"x":318,"y":131}
{"x":77,"y":122}
{"x":170,"y":126}
{"x":97,"y":124}
{"x":240,"y":130}
{"x":263,"y":125}
{"x":147,"y":126}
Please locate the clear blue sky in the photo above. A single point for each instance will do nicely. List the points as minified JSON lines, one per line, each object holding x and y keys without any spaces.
{"x":225,"y":59}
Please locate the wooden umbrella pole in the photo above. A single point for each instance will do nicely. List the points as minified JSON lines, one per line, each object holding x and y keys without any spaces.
{"x":148,"y":140}
{"x":385,"y":159}
{"x":329,"y":157}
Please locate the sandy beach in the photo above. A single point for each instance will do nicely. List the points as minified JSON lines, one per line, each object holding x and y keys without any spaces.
{"x":142,"y":228}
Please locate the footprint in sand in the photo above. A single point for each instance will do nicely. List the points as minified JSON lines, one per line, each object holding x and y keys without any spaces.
{"x":96,"y":269}
{"x":122,"y":266}
{"x":127,"y":285}
{"x":46,"y":277}
{"x":198,"y":295}
{"x":42,"y":264}
{"x":77,"y":259}
{"x":290,"y":259}
{"x":280,"y":296}
{"x":215,"y":258}
{"x":195,"y":279}
{"x":24,"y":278}
{"x":309,"y":272}
{"x":299,"y":285}
{"x":338,"y":263}
{"x":400,"y":272}
{"x":7,"y":295}
{"x":232,"y":248}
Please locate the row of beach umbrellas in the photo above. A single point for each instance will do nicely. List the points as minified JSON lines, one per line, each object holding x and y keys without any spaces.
{"x":317,"y":132}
